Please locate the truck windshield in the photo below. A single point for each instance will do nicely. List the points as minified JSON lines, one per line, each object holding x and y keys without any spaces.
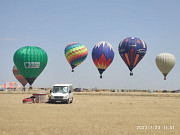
{"x":62,"y":89}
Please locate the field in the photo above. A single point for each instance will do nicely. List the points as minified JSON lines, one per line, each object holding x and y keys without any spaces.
{"x":100,"y":113}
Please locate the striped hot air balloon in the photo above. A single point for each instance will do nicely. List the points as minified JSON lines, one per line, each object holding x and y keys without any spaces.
{"x":19,"y":77}
{"x":10,"y":85}
{"x":75,"y":54}
{"x":132,"y":50}
{"x":102,"y":55}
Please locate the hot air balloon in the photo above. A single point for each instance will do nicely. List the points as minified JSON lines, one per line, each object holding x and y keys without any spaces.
{"x":132,"y":50}
{"x":102,"y":55}
{"x":19,"y":77}
{"x":30,"y":62}
{"x":10,"y":86}
{"x":165,"y":62}
{"x":75,"y":54}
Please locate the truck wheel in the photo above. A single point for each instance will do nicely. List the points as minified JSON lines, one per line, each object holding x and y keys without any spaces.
{"x":67,"y":102}
{"x":71,"y":100}
{"x":51,"y":101}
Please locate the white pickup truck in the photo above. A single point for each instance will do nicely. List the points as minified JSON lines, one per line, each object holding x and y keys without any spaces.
{"x":61,"y":93}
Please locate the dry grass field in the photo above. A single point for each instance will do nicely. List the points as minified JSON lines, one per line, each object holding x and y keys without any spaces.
{"x":92,"y":114}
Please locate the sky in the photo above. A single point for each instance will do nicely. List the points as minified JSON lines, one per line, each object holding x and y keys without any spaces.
{"x":53,"y":24}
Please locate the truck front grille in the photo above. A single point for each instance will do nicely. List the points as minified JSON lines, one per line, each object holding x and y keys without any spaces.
{"x":58,"y":96}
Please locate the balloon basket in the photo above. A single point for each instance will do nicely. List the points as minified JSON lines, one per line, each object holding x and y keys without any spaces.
{"x":30,"y":88}
{"x":131,"y":73}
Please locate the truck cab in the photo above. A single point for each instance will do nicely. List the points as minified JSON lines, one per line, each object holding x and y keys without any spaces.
{"x":61,"y":93}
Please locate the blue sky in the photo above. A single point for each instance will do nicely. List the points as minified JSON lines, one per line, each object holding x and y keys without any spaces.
{"x":52,"y":24}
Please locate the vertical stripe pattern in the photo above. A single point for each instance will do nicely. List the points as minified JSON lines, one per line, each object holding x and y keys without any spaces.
{"x":19,"y":77}
{"x":132,"y":50}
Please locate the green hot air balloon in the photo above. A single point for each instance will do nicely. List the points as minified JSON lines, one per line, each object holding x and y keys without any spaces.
{"x":30,"y":62}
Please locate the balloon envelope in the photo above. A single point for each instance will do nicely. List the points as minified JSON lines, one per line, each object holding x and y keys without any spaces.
{"x":102,"y":55}
{"x":132,"y":50}
{"x":18,"y":76}
{"x":30,"y":62}
{"x":10,"y":85}
{"x":75,"y":54}
{"x":165,"y":62}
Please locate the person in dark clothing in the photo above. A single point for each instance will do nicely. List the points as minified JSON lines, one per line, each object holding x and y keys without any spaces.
{"x":33,"y":98}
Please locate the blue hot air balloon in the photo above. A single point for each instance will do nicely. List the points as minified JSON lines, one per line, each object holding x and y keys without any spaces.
{"x":132,"y":50}
{"x":102,"y":55}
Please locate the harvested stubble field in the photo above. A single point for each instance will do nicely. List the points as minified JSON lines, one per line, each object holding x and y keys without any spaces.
{"x":100,"y":113}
